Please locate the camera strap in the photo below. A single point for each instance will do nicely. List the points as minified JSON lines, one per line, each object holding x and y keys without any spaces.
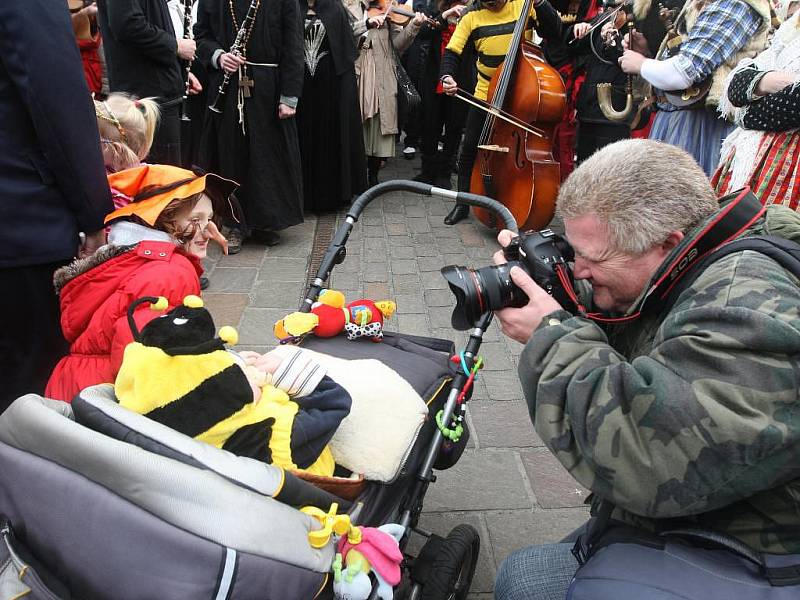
{"x":741,"y":210}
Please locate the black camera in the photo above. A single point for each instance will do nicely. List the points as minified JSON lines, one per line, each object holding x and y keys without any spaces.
{"x":539,"y":253}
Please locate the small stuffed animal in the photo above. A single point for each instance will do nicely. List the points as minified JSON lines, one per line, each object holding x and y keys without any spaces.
{"x":330,"y":316}
{"x":377,"y":551}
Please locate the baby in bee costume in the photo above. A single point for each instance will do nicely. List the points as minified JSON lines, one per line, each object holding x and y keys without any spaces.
{"x":280,"y":410}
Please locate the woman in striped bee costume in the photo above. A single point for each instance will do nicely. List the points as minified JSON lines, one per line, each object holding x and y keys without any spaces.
{"x":488,"y":30}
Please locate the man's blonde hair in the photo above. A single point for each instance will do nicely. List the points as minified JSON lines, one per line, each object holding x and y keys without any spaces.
{"x":642,"y":190}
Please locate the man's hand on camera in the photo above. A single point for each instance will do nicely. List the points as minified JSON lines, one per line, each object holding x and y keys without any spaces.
{"x":520,"y":323}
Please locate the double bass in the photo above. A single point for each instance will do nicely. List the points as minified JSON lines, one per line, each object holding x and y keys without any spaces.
{"x":515,"y":165}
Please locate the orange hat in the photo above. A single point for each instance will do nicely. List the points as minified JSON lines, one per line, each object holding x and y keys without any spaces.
{"x":153,"y":187}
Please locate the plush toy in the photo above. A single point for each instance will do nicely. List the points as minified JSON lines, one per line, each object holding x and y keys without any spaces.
{"x":375,"y":550}
{"x":330,"y":316}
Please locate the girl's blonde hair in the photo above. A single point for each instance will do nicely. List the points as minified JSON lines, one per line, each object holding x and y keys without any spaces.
{"x":127,"y":127}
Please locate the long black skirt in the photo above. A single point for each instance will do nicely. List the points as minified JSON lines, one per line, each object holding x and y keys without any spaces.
{"x":331,"y":141}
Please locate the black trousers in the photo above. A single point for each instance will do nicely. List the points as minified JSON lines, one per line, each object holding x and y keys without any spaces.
{"x":166,"y":149}
{"x":469,"y":149}
{"x":593,"y":136}
{"x":31,"y":342}
{"x":438,"y":111}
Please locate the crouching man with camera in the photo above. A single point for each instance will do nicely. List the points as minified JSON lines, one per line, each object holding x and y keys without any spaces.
{"x":677,"y":403}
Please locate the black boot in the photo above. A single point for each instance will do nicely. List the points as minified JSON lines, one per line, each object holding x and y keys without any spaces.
{"x":373,"y":166}
{"x":459,"y":213}
{"x":429,"y":167}
{"x":442,"y":178}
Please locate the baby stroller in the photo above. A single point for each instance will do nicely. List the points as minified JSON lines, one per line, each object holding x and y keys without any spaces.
{"x":99,"y":502}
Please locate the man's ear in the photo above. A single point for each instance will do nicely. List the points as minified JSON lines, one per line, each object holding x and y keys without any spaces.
{"x":673,"y":239}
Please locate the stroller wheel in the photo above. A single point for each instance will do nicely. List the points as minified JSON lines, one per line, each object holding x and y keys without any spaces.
{"x":454,"y":565}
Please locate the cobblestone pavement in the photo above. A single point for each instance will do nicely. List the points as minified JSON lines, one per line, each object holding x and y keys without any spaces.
{"x":506,"y":485}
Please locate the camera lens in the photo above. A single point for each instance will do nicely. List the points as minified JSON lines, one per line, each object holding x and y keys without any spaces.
{"x":478,"y":291}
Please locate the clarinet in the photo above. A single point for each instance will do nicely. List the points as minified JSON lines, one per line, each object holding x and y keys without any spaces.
{"x":187,"y":34}
{"x":236,"y":48}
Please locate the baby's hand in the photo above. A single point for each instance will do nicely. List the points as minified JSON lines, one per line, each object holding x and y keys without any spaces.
{"x":269,"y":362}
{"x":266,"y":363}
{"x":249,"y":356}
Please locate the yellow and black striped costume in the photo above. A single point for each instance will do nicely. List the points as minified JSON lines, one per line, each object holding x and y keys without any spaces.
{"x":207,"y":397}
{"x":490,"y":33}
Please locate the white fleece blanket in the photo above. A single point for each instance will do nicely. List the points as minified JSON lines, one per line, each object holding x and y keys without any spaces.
{"x":384,"y":420}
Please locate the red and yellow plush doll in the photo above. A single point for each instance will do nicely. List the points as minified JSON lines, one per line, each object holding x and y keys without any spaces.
{"x":330,"y":316}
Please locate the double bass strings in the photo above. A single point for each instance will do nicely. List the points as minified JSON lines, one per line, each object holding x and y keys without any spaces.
{"x":465,"y":96}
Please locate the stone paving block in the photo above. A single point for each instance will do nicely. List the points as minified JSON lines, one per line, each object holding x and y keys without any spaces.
{"x":438,"y":208}
{"x":457,"y":337}
{"x":401,"y":252}
{"x":426,"y":249}
{"x":405,"y":284}
{"x":481,"y":255}
{"x":375,"y":247}
{"x":396,"y":229}
{"x":376,"y":271}
{"x":429,"y":263}
{"x":511,"y":530}
{"x":410,"y":304}
{"x":502,"y":424}
{"x":226,"y":309}
{"x":392,"y":208}
{"x":470,"y":237}
{"x":374,"y":291}
{"x":255,"y":327}
{"x":433,"y":280}
{"x":480,"y":480}
{"x":400,"y":240}
{"x":403,"y":266}
{"x":283,"y":269}
{"x":394,"y":218}
{"x":371,"y":219}
{"x":446,"y":234}
{"x":553,"y":485}
{"x":417,"y":209}
{"x":418,"y":225}
{"x":232,"y":280}
{"x":439,"y":298}
{"x":453,"y":256}
{"x":496,"y":357}
{"x":442,"y":524}
{"x":413,"y":324}
{"x":440,"y":316}
{"x":344,"y":280}
{"x":369,"y":231}
{"x":502,"y":385}
{"x":425,"y":238}
{"x":286,"y":295}
{"x":249,"y":256}
{"x":351,"y":266}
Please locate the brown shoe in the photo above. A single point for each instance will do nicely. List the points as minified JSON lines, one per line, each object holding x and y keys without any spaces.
{"x":234,"y":237}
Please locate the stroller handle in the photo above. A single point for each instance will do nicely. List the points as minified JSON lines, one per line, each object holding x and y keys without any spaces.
{"x":404,"y":185}
{"x":336,"y":250}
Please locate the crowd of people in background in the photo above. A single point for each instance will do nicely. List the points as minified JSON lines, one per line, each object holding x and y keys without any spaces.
{"x":322,"y":74}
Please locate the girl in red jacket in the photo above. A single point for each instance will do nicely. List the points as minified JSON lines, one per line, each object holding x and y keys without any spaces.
{"x":154,"y":248}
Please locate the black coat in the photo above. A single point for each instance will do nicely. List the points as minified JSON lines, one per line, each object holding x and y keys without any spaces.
{"x":265,"y":161}
{"x":52,"y":179}
{"x":140,"y":48}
